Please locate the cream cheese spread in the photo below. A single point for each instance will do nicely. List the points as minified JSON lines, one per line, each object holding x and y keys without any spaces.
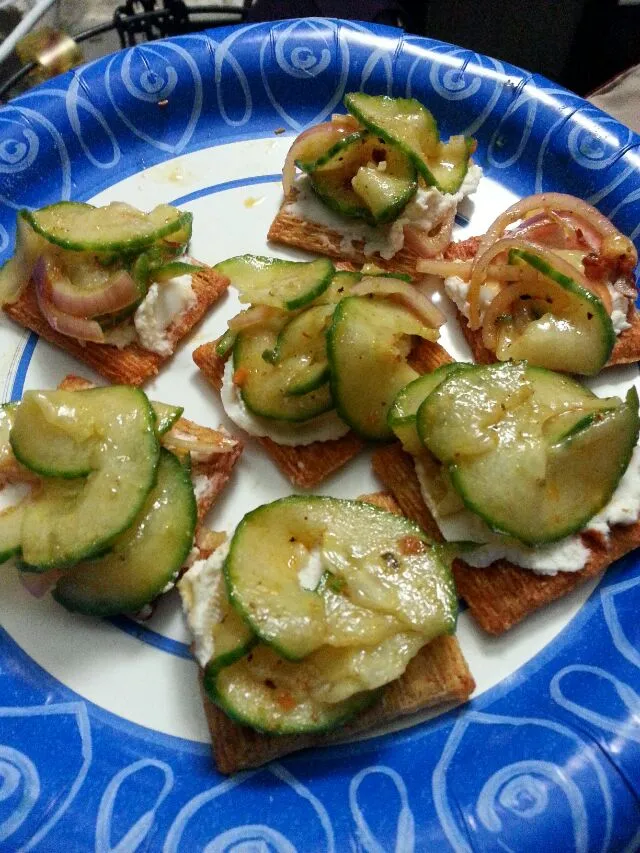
{"x":325,"y":427}
{"x":201,"y":590}
{"x":310,"y":573}
{"x":428,"y":208}
{"x":161,"y":307}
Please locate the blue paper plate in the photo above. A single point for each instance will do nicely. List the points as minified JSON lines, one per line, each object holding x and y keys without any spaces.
{"x":548,"y":757}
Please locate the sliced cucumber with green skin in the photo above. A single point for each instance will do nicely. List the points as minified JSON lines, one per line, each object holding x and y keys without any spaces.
{"x":257,"y":692}
{"x":265,"y":387}
{"x":367,"y":344}
{"x":345,"y":155}
{"x":166,"y":416}
{"x":226,"y":343}
{"x":575,"y":339}
{"x":145,"y":558}
{"x":385,"y":562}
{"x":535,"y":485}
{"x":11,"y":531}
{"x":408,"y":124}
{"x":340,"y":286}
{"x":173,"y":269}
{"x":71,"y":520}
{"x":334,"y":190}
{"x":385,"y":195}
{"x":301,"y":350}
{"x":7,"y":415}
{"x":232,"y":638}
{"x":402,"y":414}
{"x":273,"y":281}
{"x":118,"y":227}
{"x":16,"y":272}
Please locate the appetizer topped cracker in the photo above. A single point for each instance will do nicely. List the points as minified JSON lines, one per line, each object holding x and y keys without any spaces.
{"x":116,"y":486}
{"x":111,"y":285}
{"x":345,"y":598}
{"x":377,"y":183}
{"x":314,"y":364}
{"x":552,"y":281}
{"x":528,"y":464}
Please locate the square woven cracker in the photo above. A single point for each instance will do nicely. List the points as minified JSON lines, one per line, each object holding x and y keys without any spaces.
{"x":625,"y":351}
{"x":131,"y":365}
{"x":308,"y":465}
{"x":320,"y":240}
{"x":437,"y":675}
{"x":502,"y":594}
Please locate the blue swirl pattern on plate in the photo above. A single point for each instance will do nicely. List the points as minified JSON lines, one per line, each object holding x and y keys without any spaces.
{"x":551,"y":757}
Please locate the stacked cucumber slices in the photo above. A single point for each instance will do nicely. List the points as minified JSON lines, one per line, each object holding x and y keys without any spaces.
{"x":369,"y":165}
{"x":112,"y":513}
{"x":317,"y":340}
{"x":92,"y":267}
{"x":343,"y":596}
{"x":533,"y":453}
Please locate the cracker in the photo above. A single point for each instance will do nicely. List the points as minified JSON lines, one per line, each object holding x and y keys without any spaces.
{"x":625,"y":351}
{"x":305,"y":465}
{"x":503,"y":594}
{"x":318,"y":239}
{"x":308,"y":465}
{"x":437,"y":675}
{"x":131,"y":365}
{"x":216,"y":470}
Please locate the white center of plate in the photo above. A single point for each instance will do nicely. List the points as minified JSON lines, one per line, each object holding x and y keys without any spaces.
{"x":150,"y":680}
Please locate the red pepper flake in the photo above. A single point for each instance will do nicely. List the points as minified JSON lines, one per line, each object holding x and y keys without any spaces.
{"x":163,"y":103}
{"x":240,"y":376}
{"x":410,"y":545}
{"x":286,"y":701}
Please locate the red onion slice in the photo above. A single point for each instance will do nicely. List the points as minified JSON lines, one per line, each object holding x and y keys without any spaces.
{"x":74,"y":327}
{"x":407,"y":294}
{"x":313,"y":142}
{"x":427,"y":244}
{"x":119,"y":292}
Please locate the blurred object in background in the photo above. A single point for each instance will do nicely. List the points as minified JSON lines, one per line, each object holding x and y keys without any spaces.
{"x":387,"y":12}
{"x":620,"y":97}
{"x":52,"y":52}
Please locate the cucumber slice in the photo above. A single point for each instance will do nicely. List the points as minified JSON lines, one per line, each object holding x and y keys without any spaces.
{"x":271,"y":695}
{"x":265,"y":387}
{"x":382,"y":562}
{"x":226,"y":343}
{"x":16,"y":272}
{"x":336,"y":192}
{"x":288,"y":285}
{"x":7,"y":415}
{"x":301,"y":350}
{"x":535,"y":484}
{"x":573,"y":334}
{"x":173,"y":269}
{"x":402,"y":414}
{"x":118,"y":227}
{"x":349,"y":624}
{"x":145,"y":558}
{"x":11,"y":531}
{"x":367,"y":344}
{"x":70,"y":520}
{"x":345,"y":155}
{"x":385,"y":195}
{"x":166,"y":416}
{"x":406,"y":123}
{"x":340,"y":286}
